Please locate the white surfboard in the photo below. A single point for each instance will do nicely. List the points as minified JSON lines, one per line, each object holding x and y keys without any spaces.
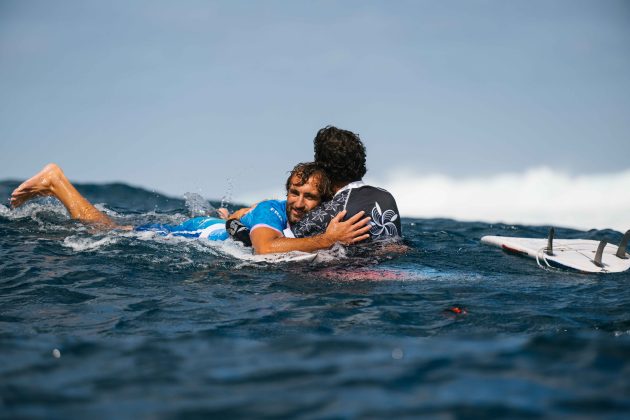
{"x":294,"y":256}
{"x":576,"y":254}
{"x":241,"y":252}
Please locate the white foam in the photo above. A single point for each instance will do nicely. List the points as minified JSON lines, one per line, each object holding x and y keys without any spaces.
{"x":34,"y":208}
{"x":538,"y":196}
{"x":337,"y":252}
{"x":79,"y":244}
{"x":230,"y":248}
{"x":109,"y":212}
{"x":221,"y":248}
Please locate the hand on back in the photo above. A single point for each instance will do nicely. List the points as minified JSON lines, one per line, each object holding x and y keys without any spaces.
{"x":351,"y":231}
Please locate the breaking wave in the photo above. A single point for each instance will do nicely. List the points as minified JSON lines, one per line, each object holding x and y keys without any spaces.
{"x":538,"y":196}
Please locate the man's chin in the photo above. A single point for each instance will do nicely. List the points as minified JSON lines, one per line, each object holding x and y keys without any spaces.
{"x":295,"y":219}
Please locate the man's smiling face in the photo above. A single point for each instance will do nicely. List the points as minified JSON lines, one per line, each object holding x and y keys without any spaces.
{"x":302,"y":198}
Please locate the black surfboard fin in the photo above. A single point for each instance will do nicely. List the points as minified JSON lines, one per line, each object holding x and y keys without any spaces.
{"x":621,"y":252}
{"x":549,"y":249}
{"x":600,"y":251}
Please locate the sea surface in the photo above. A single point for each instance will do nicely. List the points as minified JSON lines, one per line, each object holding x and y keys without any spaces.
{"x":128,"y":325}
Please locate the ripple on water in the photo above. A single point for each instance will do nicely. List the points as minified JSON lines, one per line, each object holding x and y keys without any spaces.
{"x":172,"y":327}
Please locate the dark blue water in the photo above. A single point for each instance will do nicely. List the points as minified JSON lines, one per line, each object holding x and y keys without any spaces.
{"x":159,"y":328}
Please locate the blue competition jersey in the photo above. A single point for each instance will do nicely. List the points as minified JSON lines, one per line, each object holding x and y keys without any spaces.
{"x":270,"y":213}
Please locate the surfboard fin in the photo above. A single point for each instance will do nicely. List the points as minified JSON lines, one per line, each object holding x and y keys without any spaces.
{"x":600,"y":251}
{"x":621,"y":252}
{"x":549,"y":249}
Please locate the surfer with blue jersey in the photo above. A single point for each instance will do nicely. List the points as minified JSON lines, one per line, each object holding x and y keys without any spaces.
{"x":341,"y":154}
{"x":266,"y":222}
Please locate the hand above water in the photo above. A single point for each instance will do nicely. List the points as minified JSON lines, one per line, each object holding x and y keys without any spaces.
{"x":351,"y":231}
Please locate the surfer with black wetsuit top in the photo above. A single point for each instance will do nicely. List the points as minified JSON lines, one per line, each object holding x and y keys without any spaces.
{"x":342,"y":155}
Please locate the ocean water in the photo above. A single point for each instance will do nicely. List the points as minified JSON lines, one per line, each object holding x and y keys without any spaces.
{"x":127,"y":325}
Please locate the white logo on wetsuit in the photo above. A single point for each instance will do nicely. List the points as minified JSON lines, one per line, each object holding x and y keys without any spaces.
{"x":383,"y":221}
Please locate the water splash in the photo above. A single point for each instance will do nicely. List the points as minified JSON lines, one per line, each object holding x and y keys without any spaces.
{"x":227,"y":197}
{"x":199,"y":206}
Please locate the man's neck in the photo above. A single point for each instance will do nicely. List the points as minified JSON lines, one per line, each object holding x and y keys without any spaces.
{"x":336,"y":186}
{"x":341,"y":186}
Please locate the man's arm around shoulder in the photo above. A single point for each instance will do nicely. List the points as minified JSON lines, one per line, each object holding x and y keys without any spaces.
{"x":267,"y":240}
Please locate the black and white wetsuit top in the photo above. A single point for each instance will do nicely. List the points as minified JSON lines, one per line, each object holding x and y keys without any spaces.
{"x":377,"y":203}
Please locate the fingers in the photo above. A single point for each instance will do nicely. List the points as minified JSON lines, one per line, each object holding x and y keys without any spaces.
{"x":365,"y":222}
{"x":360,"y":234}
{"x":339,"y":216}
{"x":353,"y":230}
{"x":354,"y":218}
{"x":361,"y":224}
{"x":361,"y":238}
{"x":15,"y":202}
{"x":364,"y":229}
{"x":223,"y":213}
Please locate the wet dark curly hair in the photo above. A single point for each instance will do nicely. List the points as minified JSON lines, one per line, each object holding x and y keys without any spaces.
{"x":304,"y":171}
{"x":341,"y":153}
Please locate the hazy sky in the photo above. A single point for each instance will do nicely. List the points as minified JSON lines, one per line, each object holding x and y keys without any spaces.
{"x":196,"y":95}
